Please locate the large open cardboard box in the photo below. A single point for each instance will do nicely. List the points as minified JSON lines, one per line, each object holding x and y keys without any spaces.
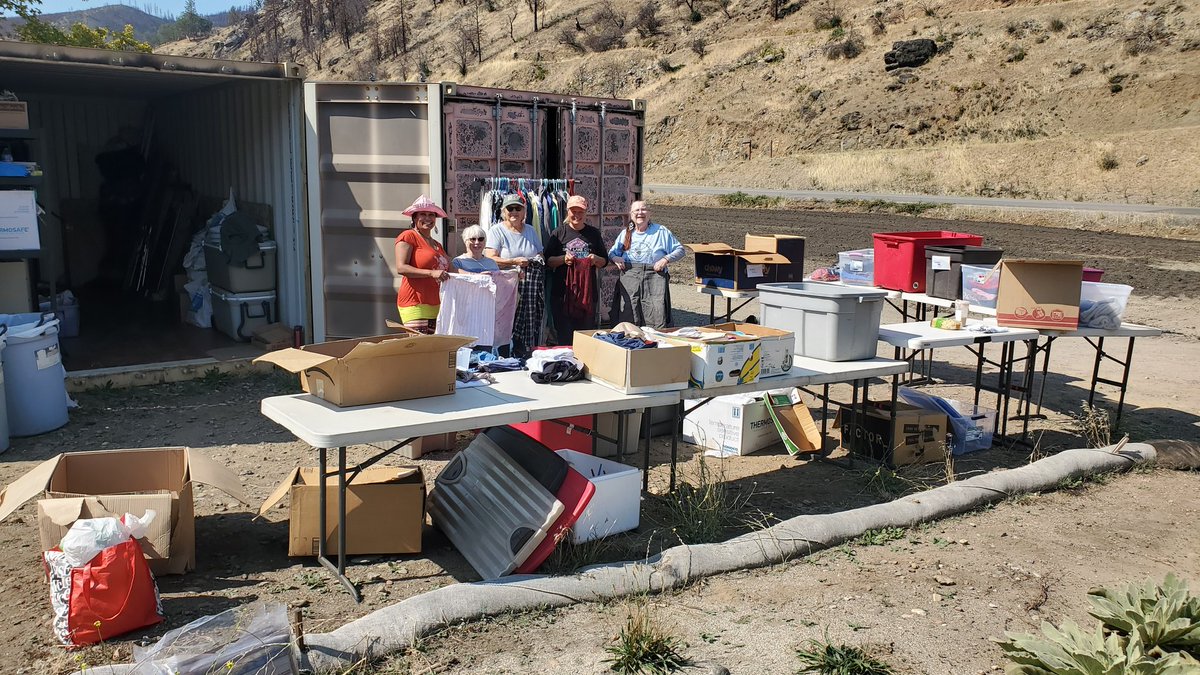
{"x":1039,"y":294}
{"x":918,"y":437}
{"x":723,"y":363}
{"x":794,"y":422}
{"x":765,"y":259}
{"x":633,"y":371}
{"x":374,"y":369}
{"x":778,"y":346}
{"x":385,"y":511}
{"x":106,"y":483}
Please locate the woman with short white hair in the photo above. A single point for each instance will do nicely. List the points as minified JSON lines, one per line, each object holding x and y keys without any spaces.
{"x":475,"y":239}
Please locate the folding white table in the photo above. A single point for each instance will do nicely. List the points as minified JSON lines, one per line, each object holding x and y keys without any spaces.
{"x":918,"y":337}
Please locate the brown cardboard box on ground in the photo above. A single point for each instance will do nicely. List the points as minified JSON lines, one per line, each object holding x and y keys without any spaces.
{"x":113,"y":482}
{"x":271,"y":337}
{"x":919,"y":436}
{"x":633,"y":371}
{"x":385,"y":511}
{"x":794,"y":422}
{"x":374,"y":369}
{"x":427,"y":444}
{"x":1039,"y":294}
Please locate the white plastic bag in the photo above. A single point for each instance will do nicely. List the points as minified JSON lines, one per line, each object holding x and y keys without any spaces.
{"x":201,"y":303}
{"x":89,"y":536}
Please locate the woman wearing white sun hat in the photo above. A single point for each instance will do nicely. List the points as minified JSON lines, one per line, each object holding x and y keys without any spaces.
{"x":422,"y":264}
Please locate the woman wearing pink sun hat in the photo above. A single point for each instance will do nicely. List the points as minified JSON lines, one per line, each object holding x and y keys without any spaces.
{"x":422,"y":264}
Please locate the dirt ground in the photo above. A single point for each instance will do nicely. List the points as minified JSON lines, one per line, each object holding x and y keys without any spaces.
{"x":1126,"y":530}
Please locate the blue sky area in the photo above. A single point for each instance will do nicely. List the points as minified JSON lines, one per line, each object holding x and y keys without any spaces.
{"x":158,"y":7}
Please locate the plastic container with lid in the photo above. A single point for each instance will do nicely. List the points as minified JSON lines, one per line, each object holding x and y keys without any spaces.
{"x":238,"y":315}
{"x":1103,"y":305}
{"x":943,"y":267}
{"x":831,"y":322}
{"x":900,"y":256}
{"x":857,"y":268}
{"x":1092,"y":274}
{"x":980,"y":285}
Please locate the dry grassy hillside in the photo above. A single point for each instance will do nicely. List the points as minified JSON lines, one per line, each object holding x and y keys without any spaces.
{"x":1083,"y":100}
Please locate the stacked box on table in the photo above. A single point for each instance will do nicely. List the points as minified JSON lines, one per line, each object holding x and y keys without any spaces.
{"x":722,"y":362}
{"x":778,"y":346}
{"x":633,"y":371}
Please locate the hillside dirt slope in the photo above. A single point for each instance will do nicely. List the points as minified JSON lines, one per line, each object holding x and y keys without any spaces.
{"x":1096,"y":101}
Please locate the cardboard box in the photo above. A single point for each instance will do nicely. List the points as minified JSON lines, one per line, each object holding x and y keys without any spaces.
{"x":374,"y":369}
{"x":789,"y":246}
{"x":385,"y":511}
{"x":1039,"y":294}
{"x":424,"y":444}
{"x":731,"y":425}
{"x":18,"y":221}
{"x":794,"y":422}
{"x":918,"y":437}
{"x":722,"y":266}
{"x":633,"y":371}
{"x":778,"y":346}
{"x":271,"y":337}
{"x":14,"y":115}
{"x":723,"y":363}
{"x":105,"y":483}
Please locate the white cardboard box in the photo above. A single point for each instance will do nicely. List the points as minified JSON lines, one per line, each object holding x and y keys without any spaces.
{"x":730,"y":425}
{"x":778,"y":346}
{"x":723,"y":363}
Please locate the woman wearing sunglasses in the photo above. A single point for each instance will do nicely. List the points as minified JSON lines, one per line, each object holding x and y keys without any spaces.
{"x":474,"y":260}
{"x":514,"y":244}
{"x":422,"y":264}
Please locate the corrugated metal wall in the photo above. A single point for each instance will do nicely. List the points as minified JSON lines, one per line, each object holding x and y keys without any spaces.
{"x":71,"y":130}
{"x":247,"y":136}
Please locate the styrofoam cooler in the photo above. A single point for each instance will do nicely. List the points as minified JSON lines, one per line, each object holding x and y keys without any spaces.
{"x":616,"y":506}
{"x":831,"y":322}
{"x":239,"y":314}
{"x":256,"y":273}
{"x":34,"y":380}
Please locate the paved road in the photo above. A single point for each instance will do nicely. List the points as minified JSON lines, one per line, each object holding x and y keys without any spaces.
{"x":828,"y":195}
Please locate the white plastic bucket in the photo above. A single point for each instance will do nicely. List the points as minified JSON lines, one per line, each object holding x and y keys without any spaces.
{"x":34,"y":379}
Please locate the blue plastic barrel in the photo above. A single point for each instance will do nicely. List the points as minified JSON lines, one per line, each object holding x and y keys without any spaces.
{"x":34,"y":379}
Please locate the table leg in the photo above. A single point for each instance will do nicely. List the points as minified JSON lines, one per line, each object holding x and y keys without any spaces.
{"x":1096,"y":370}
{"x":1045,"y":370}
{"x":675,"y":422}
{"x":1124,"y":383}
{"x":853,"y":424}
{"x":824,"y":412}
{"x":979,"y":373}
{"x":712,"y":309}
{"x":728,"y":309}
{"x":1004,"y":394}
{"x":644,"y":436}
{"x":1027,"y":394}
{"x":339,"y":570}
{"x":621,"y":414}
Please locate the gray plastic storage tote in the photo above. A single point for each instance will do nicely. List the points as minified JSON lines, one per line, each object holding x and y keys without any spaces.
{"x":831,"y":322}
{"x":239,"y":314}
{"x":34,"y":380}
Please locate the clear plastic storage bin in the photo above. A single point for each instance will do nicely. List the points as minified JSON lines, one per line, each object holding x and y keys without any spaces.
{"x":857,"y":268}
{"x":980,"y":284}
{"x":1102,"y":305}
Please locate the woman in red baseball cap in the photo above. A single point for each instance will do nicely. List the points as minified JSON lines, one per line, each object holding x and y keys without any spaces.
{"x":573,"y":253}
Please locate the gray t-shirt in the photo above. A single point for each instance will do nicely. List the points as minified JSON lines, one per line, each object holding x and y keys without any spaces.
{"x":509,"y":244}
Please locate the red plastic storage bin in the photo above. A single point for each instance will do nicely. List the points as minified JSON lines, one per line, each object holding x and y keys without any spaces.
{"x":557,"y":436}
{"x":1092,"y":274}
{"x":900,"y":256}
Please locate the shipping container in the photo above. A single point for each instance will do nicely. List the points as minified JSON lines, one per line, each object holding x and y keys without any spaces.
{"x":327,"y":166}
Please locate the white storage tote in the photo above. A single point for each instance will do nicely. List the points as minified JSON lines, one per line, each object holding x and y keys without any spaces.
{"x":616,"y":505}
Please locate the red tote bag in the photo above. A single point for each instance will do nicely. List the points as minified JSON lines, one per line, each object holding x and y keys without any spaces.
{"x":112,"y":595}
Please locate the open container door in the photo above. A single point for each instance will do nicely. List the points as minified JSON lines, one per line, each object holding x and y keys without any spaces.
{"x":371,"y":151}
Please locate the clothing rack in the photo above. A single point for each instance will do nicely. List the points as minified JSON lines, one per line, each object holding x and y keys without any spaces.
{"x":515,"y":184}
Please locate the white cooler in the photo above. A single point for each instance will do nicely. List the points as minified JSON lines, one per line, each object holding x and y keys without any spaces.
{"x":239,"y":314}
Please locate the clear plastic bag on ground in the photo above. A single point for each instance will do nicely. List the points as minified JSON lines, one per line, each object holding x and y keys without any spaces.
{"x":252,"y":639}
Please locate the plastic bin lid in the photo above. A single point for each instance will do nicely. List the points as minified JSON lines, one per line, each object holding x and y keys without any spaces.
{"x":257,"y":296}
{"x":215,"y":242}
{"x":823,"y":290}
